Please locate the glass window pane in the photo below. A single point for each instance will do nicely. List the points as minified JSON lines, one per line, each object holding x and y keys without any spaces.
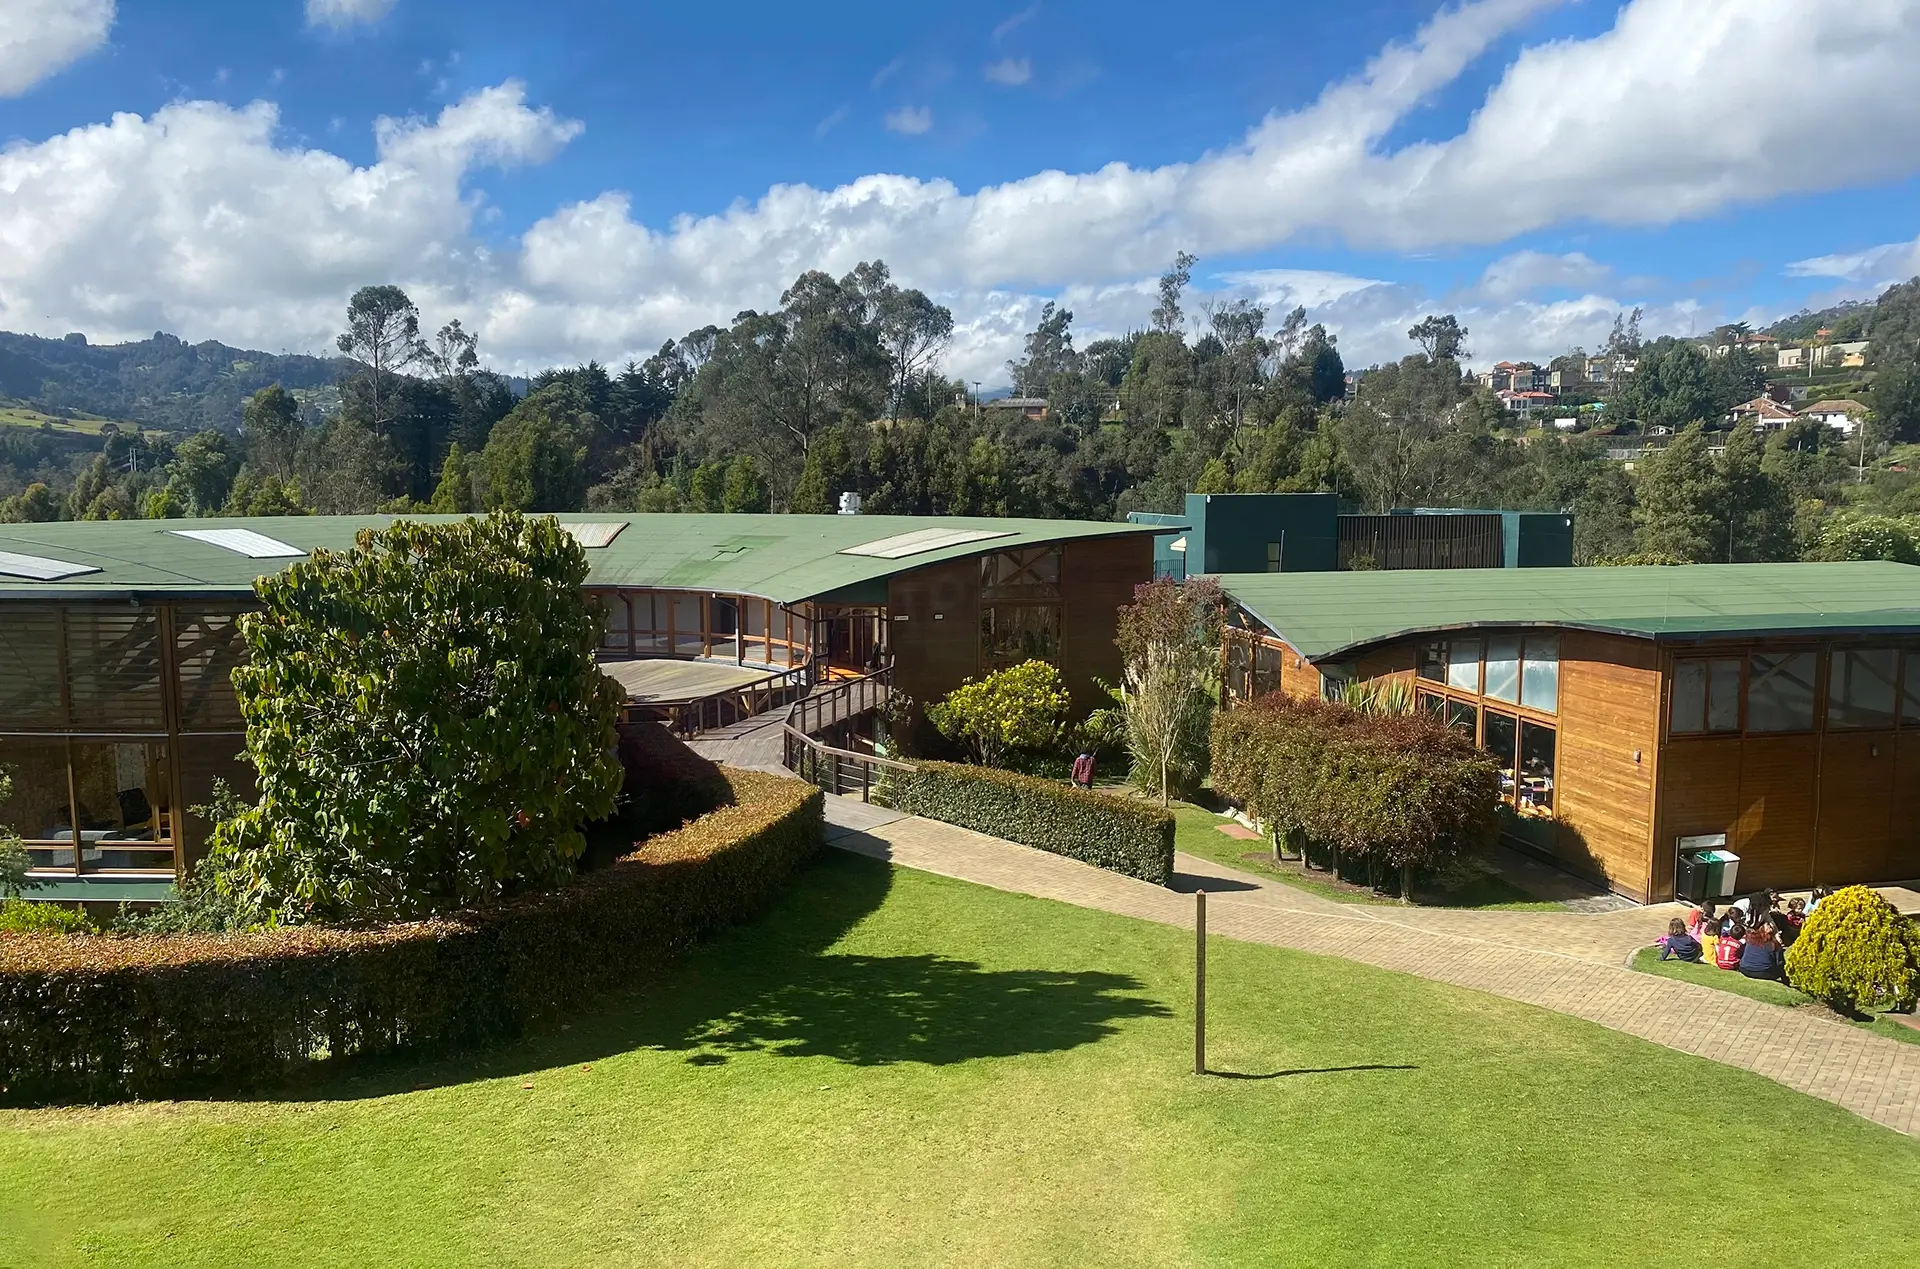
{"x":1434,"y":707}
{"x":1433,"y":661}
{"x":1463,"y":665}
{"x":1502,"y":741}
{"x":1266,"y":670}
{"x":723,"y":619}
{"x":121,"y":794}
{"x":1464,"y":718}
{"x":1689,"y":698}
{"x":1536,"y":774}
{"x":1780,"y":692}
{"x":688,"y":639}
{"x":1910,"y":710}
{"x":1012,"y":633}
{"x":1540,"y":673}
{"x":37,"y":809}
{"x":1860,"y":694}
{"x":1503,"y":668}
{"x":1033,"y":573}
{"x":208,"y":647}
{"x":113,"y":667}
{"x":30,"y":667}
{"x":1723,"y":694}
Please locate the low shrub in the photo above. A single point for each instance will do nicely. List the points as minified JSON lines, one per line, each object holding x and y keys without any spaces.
{"x":1400,"y":790}
{"x":98,"y":1018}
{"x":1021,"y":709}
{"x":1857,"y":952}
{"x":1113,"y":833}
{"x":18,"y":916}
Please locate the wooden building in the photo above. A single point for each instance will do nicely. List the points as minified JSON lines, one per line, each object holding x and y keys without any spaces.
{"x":118,"y":641}
{"x":1778,"y":704}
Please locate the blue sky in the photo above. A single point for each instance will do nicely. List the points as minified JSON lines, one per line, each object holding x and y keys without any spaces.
{"x":1535,"y":165}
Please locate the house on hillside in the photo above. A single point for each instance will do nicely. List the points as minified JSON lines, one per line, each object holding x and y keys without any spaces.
{"x":1636,"y":711}
{"x":1763,"y":412}
{"x":118,"y":640}
{"x":1843,"y":414}
{"x":1524,"y":402}
{"x":1026,"y":407}
{"x":1852,"y":353}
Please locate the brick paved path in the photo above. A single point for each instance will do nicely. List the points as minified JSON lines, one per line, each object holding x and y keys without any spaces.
{"x":1504,"y":953}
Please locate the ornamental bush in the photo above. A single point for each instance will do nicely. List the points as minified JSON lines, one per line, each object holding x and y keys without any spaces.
{"x":1021,"y":709}
{"x":1400,"y":790}
{"x":1857,"y":952}
{"x":102,"y":1018}
{"x":427,"y":721}
{"x":1109,"y":832}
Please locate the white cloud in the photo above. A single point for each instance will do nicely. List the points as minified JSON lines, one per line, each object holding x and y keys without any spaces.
{"x":909,"y":121}
{"x":1880,"y":266}
{"x":1014,"y":23}
{"x":831,"y":121}
{"x":1523,"y":272}
{"x":1011,"y":71}
{"x":201,"y":219}
{"x":341,"y":14}
{"x":39,"y":38}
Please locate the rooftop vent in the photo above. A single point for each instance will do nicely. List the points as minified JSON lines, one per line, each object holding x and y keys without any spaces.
{"x":255,"y":546}
{"x":594,"y":536}
{"x":921,"y":541}
{"x":39,"y":569}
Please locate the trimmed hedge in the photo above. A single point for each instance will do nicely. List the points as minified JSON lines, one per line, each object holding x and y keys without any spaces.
{"x":100,"y":1018}
{"x":1095,"y":828}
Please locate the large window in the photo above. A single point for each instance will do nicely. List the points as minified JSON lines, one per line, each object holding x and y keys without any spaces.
{"x":1706,"y":696}
{"x":1534,"y":782}
{"x":110,"y":802}
{"x":1781,"y":691}
{"x":208,"y":647}
{"x":1860,"y":693}
{"x":1012,"y":633}
{"x":1266,"y":669}
{"x":1463,"y":664}
{"x":1910,"y":695}
{"x":1502,"y":740}
{"x":1503,"y":668}
{"x":30,"y":675}
{"x":1540,"y":673}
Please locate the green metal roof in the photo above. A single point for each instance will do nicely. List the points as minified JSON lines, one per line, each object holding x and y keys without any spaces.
{"x":786,"y":558}
{"x":1326,"y":615}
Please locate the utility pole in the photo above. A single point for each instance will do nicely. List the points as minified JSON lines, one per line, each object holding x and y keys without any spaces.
{"x":976,"y":403}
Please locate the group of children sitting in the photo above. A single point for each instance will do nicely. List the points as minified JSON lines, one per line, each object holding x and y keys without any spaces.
{"x":1752,"y":935}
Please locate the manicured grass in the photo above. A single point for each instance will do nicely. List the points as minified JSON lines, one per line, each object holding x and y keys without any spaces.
{"x":1647,"y":961}
{"x":1197,"y":832}
{"x":900,"y":1069}
{"x":74,"y":424}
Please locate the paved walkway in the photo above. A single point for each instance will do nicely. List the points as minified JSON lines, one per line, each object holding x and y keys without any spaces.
{"x":1570,"y":963}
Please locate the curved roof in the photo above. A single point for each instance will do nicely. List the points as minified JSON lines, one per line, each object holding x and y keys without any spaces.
{"x":1324,"y":615}
{"x":785,"y":558}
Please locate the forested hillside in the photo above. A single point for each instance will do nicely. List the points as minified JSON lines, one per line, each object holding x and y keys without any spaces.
{"x":841,"y":389}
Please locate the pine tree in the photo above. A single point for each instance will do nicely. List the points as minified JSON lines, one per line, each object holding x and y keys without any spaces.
{"x":745,"y":490}
{"x":1757,"y":507}
{"x":454,"y":494}
{"x":1679,"y":489}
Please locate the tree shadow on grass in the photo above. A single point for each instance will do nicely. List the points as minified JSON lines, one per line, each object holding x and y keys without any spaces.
{"x":775,"y":987}
{"x":1309,"y":1070}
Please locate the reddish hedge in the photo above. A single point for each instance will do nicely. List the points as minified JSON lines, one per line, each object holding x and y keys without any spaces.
{"x":102,"y":1018}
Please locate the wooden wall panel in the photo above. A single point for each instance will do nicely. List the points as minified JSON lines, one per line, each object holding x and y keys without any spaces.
{"x":1097,"y":577}
{"x":1903,"y":862}
{"x":1855,"y":832}
{"x":1609,"y":711}
{"x":1395,"y":661}
{"x":1778,"y":792}
{"x":938,"y":645}
{"x":1298,"y":678}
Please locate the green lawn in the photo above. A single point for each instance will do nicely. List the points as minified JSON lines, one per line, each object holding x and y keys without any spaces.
{"x":74,"y":423}
{"x":1197,"y":832}
{"x":900,"y":1069}
{"x":1647,"y":961}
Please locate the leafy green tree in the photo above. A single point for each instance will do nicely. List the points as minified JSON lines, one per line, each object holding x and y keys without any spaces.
{"x":201,"y":474}
{"x":15,"y":862}
{"x":383,"y":332}
{"x":428,"y":724}
{"x":271,"y":432}
{"x":1756,"y":507}
{"x":1678,"y":514}
{"x":1169,"y":640}
{"x":707,"y":488}
{"x":454,"y":493}
{"x":534,"y":460}
{"x":1441,"y":338}
{"x":36,"y":504}
{"x":1166,"y":314}
{"x":257,"y":495}
{"x":1021,"y":709}
{"x":745,"y":490}
{"x":1866,"y":536}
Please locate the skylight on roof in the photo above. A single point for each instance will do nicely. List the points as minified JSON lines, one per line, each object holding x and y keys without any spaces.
{"x":255,"y":546}
{"x":594,"y":536}
{"x":920,"y":541}
{"x":40,"y":569}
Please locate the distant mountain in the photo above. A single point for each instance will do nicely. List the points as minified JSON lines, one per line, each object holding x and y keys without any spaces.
{"x":161,"y":382}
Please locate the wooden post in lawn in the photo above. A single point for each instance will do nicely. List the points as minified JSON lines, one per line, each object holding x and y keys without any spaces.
{"x":1199,"y":982}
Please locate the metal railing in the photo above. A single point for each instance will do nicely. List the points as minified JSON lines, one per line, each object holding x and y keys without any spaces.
{"x":847,"y":699}
{"x":840,"y":770}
